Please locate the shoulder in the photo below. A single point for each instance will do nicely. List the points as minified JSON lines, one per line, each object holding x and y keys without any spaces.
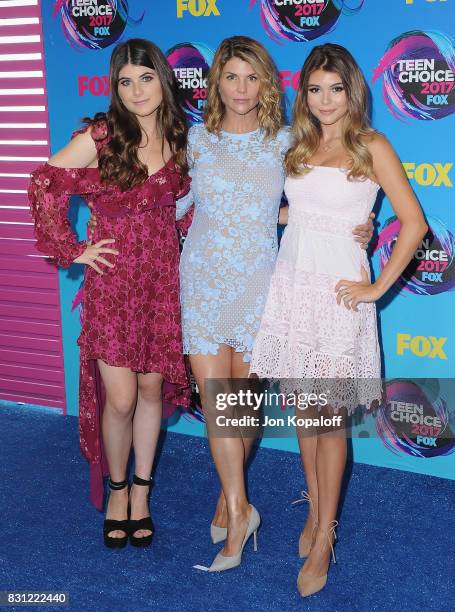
{"x":387,"y":166}
{"x":80,"y":152}
{"x":281,"y":141}
{"x":284,"y":137}
{"x":94,"y":129}
{"x":196,"y":133}
{"x":378,"y":145}
{"x":99,"y":130}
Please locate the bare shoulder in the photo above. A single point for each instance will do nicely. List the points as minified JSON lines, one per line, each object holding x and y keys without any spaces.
{"x":378,"y":145}
{"x":80,"y":152}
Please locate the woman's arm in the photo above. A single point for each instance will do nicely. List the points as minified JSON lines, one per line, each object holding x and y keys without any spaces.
{"x":392,"y":178}
{"x":183,"y":205}
{"x":362,"y":233}
{"x":80,"y":152}
{"x":185,"y":200}
{"x":184,"y":212}
{"x":51,"y":186}
{"x":283,"y":215}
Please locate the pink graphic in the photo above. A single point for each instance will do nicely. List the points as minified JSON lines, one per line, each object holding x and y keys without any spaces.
{"x":416,"y":420}
{"x":191,"y":63}
{"x":418,"y":75}
{"x":301,"y":22}
{"x":94,"y":25}
{"x":432,"y":270}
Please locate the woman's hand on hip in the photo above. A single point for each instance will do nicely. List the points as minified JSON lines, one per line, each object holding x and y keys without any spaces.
{"x":92,"y":256}
{"x":363,"y":233}
{"x":352,"y":293}
{"x":91,"y":223}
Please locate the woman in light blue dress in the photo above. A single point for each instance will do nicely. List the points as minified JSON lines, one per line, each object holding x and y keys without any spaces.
{"x":236,"y":163}
{"x":231,"y":247}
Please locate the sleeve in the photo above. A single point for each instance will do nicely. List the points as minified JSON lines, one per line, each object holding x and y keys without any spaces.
{"x":184,"y":207}
{"x":185,"y":200}
{"x":49,"y":192}
{"x":184,"y":213}
{"x":285,"y":136}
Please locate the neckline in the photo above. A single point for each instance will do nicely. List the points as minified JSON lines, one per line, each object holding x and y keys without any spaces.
{"x":97,"y":169}
{"x":344,"y":171}
{"x":240,"y":134}
{"x":161,"y":169}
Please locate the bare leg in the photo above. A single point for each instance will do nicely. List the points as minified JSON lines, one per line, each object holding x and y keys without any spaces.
{"x":121,"y":390}
{"x":228,"y":453}
{"x":330,"y":465}
{"x":308,"y":446}
{"x":240,"y":369}
{"x":146,"y":429}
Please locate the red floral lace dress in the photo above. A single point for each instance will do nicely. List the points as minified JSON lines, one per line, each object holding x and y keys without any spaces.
{"x":131,"y":312}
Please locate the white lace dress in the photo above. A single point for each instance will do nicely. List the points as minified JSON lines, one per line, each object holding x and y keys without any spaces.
{"x":304,"y":333}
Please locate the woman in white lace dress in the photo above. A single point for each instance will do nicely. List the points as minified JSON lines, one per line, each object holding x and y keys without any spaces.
{"x":319,"y":320}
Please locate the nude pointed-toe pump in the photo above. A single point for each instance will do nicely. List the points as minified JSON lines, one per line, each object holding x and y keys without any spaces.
{"x":305,"y":541}
{"x":308,"y":584}
{"x":221,"y":562}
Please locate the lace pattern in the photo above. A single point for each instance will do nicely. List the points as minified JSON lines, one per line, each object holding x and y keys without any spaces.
{"x":132,"y":311}
{"x":304,"y":334}
{"x":231,"y":246}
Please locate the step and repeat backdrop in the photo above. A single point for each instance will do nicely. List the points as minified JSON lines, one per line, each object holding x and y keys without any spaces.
{"x":406,"y":51}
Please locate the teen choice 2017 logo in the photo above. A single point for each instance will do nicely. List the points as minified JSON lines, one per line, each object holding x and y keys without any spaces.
{"x":416,"y":419}
{"x":418,"y":75}
{"x":94,"y":24}
{"x":432,"y":269}
{"x":191,"y":64}
{"x":303,"y":20}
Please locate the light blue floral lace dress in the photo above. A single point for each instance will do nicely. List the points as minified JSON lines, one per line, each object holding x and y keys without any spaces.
{"x":230,"y":250}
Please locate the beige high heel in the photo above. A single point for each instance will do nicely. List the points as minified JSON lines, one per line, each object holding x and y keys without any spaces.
{"x":218,"y":534}
{"x":305,"y":542}
{"x":309,"y":585}
{"x":221,"y":562}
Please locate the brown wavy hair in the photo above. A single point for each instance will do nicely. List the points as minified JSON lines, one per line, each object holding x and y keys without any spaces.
{"x":306,"y":128}
{"x":118,"y":161}
{"x":270,"y":113}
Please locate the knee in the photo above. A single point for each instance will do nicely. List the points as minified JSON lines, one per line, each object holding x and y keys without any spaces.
{"x":122,"y":405}
{"x":150,"y":391}
{"x":331,"y":439}
{"x":214,"y":398}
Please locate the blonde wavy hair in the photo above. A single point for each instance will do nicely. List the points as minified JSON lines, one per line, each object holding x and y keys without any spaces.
{"x":270,"y":112}
{"x":306,"y":128}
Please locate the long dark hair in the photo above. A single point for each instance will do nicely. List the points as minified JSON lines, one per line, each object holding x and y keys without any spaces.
{"x":118,"y":161}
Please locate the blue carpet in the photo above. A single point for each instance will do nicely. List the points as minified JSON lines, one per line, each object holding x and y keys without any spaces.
{"x":395,"y":549}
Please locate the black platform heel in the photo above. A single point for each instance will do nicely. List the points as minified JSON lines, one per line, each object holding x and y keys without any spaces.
{"x":143,"y":523}
{"x":114,"y":525}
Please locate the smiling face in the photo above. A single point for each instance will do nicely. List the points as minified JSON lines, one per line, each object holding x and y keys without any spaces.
{"x":326,"y":97}
{"x":139,"y":89}
{"x":239,"y":87}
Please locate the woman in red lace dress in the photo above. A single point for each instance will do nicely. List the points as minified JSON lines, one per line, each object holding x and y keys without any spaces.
{"x":130,"y":165}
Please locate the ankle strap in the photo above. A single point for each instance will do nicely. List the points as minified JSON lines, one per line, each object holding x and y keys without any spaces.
{"x":116,"y":486}
{"x":329,"y":533}
{"x":141,"y":481}
{"x":305,"y":498}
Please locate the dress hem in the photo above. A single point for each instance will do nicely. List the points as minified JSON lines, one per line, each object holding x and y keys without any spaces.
{"x":247,"y":351}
